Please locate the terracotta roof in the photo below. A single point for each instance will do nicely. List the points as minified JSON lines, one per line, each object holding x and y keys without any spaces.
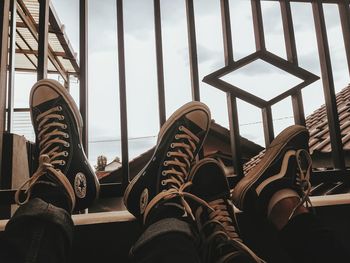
{"x":216,"y":144}
{"x":317,"y":124}
{"x":320,"y":146}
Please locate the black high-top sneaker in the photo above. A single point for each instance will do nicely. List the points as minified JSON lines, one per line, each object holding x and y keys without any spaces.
{"x":166,"y":174}
{"x":58,"y":129}
{"x":217,"y":223}
{"x":285,"y":165}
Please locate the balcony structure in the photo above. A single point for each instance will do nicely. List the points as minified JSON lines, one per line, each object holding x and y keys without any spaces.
{"x":32,"y":39}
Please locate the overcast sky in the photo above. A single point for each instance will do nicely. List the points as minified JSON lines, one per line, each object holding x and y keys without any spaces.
{"x":258,"y":78}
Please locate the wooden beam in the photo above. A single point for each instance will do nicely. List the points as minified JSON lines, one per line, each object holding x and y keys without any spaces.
{"x":35,"y":52}
{"x":32,"y":29}
{"x":62,"y":38}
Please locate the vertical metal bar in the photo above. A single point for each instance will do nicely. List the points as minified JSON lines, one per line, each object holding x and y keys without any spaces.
{"x":234,"y":134}
{"x":122,"y":93}
{"x":226,"y":31}
{"x":83,"y":81}
{"x":292,"y":56}
{"x":328,"y":86}
{"x":298,"y":108}
{"x":192,"y":45}
{"x":288,"y":29}
{"x":159,"y":56}
{"x":67,"y":82}
{"x":235,"y":138}
{"x":344,"y":12}
{"x":4,"y":27}
{"x":11,"y":82}
{"x":268,"y":125}
{"x":43,"y":45}
{"x":258,"y":25}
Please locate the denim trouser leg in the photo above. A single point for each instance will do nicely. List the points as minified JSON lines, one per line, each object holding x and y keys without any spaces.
{"x":169,"y":240}
{"x":38,"y":232}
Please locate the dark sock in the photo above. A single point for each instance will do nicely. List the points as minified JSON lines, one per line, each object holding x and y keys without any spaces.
{"x":52,"y":194}
{"x":165,"y":211}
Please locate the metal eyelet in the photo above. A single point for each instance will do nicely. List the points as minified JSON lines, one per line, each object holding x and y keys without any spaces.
{"x":65,"y":153}
{"x":59,"y":108}
{"x":168,"y":154}
{"x":62,"y":162}
{"x":65,"y":126}
{"x":165,"y":163}
{"x":172,"y":145}
{"x":176,"y":137}
{"x":61,"y":117}
{"x":163,"y":183}
{"x":66,"y":135}
{"x":181,"y":128}
{"x":163,"y":173}
{"x":67,"y":144}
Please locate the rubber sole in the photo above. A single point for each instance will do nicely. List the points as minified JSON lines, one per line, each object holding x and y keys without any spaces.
{"x":188,"y":107}
{"x":55,"y":85}
{"x":272,"y":152}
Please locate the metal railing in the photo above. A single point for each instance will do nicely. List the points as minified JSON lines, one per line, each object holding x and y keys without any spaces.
{"x":339,"y":171}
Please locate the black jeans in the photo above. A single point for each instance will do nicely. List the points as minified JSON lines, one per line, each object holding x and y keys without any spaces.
{"x":40,"y":232}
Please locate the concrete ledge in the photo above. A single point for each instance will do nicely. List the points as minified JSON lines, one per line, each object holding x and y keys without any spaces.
{"x":125,"y":216}
{"x":93,"y":218}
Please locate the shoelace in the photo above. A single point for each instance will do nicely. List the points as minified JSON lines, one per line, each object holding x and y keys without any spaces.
{"x":49,"y":157}
{"x":303,"y":179}
{"x":177,"y":178}
{"x":220,"y":215}
{"x":44,"y":167}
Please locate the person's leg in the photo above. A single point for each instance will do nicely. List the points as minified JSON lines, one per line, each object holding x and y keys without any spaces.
{"x":168,"y":240}
{"x":216,"y":221}
{"x":38,"y":232}
{"x":41,"y":229}
{"x":159,"y":193}
{"x":278,"y":188}
{"x":318,"y":243}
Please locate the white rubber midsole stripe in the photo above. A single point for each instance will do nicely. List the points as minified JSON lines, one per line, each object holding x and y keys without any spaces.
{"x":279,"y":175}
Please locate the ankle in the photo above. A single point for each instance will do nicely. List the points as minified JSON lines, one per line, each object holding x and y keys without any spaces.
{"x":52,"y":194}
{"x":282,"y":211}
{"x":163,"y":211}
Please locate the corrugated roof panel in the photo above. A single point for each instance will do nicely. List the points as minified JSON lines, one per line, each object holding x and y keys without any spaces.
{"x":50,"y":66}
{"x":57,"y":43}
{"x":27,"y":35}
{"x":66,"y":64}
{"x":33,"y":7}
{"x":22,"y":62}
